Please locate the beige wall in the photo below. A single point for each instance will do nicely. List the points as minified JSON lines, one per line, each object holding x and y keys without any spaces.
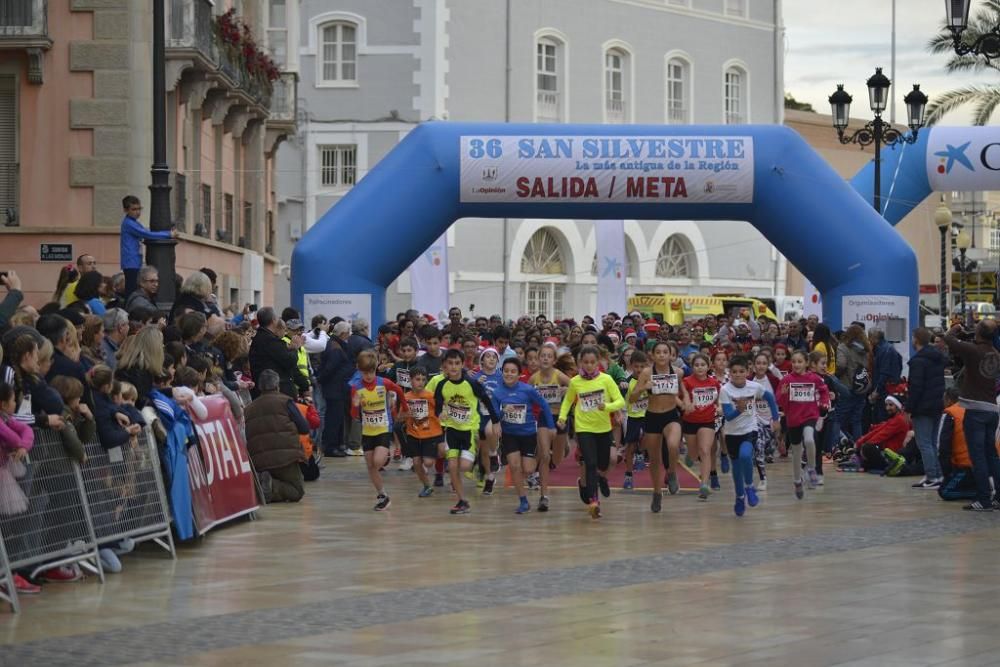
{"x":917,"y":228}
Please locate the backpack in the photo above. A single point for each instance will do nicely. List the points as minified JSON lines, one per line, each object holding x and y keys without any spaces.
{"x":861,"y":383}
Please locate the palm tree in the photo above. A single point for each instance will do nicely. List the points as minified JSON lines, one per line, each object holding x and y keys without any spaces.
{"x":986,"y":97}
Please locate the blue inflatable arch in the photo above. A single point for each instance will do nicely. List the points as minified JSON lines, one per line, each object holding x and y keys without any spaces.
{"x":766,"y":175}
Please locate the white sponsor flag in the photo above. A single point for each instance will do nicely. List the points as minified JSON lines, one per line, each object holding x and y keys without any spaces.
{"x":812,"y":301}
{"x":429,"y":279}
{"x":612,"y":293}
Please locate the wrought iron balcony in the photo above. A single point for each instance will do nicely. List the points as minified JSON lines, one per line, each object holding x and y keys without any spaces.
{"x":190,"y":34}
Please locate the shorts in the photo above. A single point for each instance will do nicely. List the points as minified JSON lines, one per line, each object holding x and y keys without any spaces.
{"x":657,"y":421}
{"x":634,"y":429}
{"x":460,"y":445}
{"x":525,"y":445}
{"x":733,"y":443}
{"x":426,"y":448}
{"x":370,"y":442}
{"x":692,"y":428}
{"x":795,"y":433}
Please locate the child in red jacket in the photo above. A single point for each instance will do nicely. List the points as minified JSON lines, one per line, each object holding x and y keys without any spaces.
{"x":890,"y":434}
{"x":804,"y":398}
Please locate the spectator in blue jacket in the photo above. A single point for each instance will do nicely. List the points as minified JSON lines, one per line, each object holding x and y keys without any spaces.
{"x":925,"y":403}
{"x":887,"y":368}
{"x":132,"y":235}
{"x":335,"y":369}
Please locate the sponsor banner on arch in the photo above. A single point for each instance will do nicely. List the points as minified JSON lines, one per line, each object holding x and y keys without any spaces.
{"x":601,"y":169}
{"x":888,"y":313}
{"x":347,"y":306}
{"x":219,"y":473}
{"x":963,"y":159}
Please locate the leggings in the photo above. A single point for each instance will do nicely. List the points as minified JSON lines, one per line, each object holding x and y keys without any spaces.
{"x":741,"y":451}
{"x":596,"y":451}
{"x":809,"y":439}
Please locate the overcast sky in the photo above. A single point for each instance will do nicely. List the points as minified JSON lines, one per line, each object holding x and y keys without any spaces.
{"x":844,"y":41}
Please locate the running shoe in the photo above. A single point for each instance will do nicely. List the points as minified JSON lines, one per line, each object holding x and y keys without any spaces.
{"x":383,"y":503}
{"x":406,"y":464}
{"x":524,"y":507}
{"x":752,"y":497}
{"x":688,"y":461}
{"x":629,"y":483}
{"x":461,"y":507}
{"x":672,"y":486}
{"x":762,"y":485}
{"x":657,"y":503}
{"x":929,"y":484}
{"x":494,"y":463}
{"x":740,"y":507}
{"x":703,"y":492}
{"x":813,"y":478}
{"x":725,"y":464}
{"x":896,"y":462}
{"x":488,"y":486}
{"x":583,"y":491}
{"x":920,"y":484}
{"x":978,"y":507}
{"x":355,"y":452}
{"x":439,"y":479}
{"x":639,"y":462}
{"x":62,"y":574}
{"x":25,"y":587}
{"x":799,"y":493}
{"x":534,"y":482}
{"x":543,"y":504}
{"x":714,"y":479}
{"x":819,"y":480}
{"x":426,"y":492}
{"x":602,"y":482}
{"x":594,"y":508}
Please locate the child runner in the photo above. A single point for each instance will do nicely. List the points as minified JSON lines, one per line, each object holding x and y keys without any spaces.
{"x":456,"y":400}
{"x":720,"y":370}
{"x":801,"y":394}
{"x":593,"y":396}
{"x":424,"y":436}
{"x":400,"y":374}
{"x":514,"y":400}
{"x":827,"y":427}
{"x":667,"y":397}
{"x":638,"y":402}
{"x":551,"y":384}
{"x":739,"y":405}
{"x":699,"y":418}
{"x":371,"y":405}
{"x":490,"y":377}
{"x":766,"y":434}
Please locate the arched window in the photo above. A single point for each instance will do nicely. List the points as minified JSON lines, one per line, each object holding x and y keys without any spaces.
{"x":678,"y":91}
{"x":735,"y":99}
{"x":615,"y":78}
{"x":676,"y":259}
{"x":543,"y":254}
{"x":338,"y":52}
{"x":550,"y":79}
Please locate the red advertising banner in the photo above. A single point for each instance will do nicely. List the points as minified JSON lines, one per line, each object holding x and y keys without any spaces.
{"x":221,"y":478}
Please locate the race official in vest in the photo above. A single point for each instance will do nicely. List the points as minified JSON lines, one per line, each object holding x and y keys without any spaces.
{"x":295,"y":329}
{"x":273,"y":427}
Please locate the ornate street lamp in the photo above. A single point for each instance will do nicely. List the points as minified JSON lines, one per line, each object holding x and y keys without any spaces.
{"x":943,"y":219}
{"x":877,"y":131}
{"x":986,"y":44}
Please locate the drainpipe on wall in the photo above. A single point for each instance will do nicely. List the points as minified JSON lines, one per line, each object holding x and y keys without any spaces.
{"x":506,"y":118}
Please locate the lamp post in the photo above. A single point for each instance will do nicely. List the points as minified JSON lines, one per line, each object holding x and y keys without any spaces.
{"x":943,"y":219}
{"x":963,"y":242}
{"x":986,"y":44}
{"x":160,"y":253}
{"x":878,"y":132}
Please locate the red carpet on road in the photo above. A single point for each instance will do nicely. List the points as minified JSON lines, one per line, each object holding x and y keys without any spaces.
{"x":565,"y":475}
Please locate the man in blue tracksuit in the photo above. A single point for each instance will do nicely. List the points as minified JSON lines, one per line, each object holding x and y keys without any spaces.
{"x":515,"y":401}
{"x":132,"y":235}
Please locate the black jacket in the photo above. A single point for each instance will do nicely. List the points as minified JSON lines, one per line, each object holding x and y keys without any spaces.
{"x":335,"y":369}
{"x":926,"y":383}
{"x":268,"y":352}
{"x":357,"y":344}
{"x":63,"y":365}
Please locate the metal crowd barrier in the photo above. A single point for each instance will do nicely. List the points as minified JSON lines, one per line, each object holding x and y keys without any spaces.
{"x":7,"y":591}
{"x":125,"y":493}
{"x":56,"y":527}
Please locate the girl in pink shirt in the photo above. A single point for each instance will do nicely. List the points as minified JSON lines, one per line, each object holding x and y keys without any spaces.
{"x":16,"y":438}
{"x":803,"y":397}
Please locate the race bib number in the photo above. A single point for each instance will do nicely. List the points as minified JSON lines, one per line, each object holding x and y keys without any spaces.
{"x":591,"y":401}
{"x":664,"y":384}
{"x":762,"y":407}
{"x":418,"y":408}
{"x":801,"y":392}
{"x":515,"y":414}
{"x":459,"y":414}
{"x":371,"y":418}
{"x":403,"y":378}
{"x":641,"y":405}
{"x":704,"y":396}
{"x":551,"y":393}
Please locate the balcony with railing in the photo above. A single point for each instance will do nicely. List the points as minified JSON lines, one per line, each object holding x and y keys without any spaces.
{"x":283,"y":101}
{"x":24,"y":25}
{"x":735,"y":118}
{"x":548,"y":106}
{"x":614,"y":110}
{"x":190,"y":30}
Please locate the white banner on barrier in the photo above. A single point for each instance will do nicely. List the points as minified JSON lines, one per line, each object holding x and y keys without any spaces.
{"x":963,"y":159}
{"x":348,"y":306}
{"x":620,"y":169}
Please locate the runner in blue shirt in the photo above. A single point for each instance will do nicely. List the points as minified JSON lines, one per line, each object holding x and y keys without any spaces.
{"x":490,"y":378}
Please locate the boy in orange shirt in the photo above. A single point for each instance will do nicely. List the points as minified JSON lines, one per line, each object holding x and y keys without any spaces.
{"x":424,"y":436}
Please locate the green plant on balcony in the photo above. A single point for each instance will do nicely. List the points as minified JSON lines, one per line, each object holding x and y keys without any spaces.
{"x":236,"y":40}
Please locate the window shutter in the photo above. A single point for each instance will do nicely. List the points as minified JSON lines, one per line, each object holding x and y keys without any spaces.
{"x":8,"y":143}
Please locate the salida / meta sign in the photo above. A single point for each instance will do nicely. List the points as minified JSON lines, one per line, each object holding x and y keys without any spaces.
{"x":622,"y":169}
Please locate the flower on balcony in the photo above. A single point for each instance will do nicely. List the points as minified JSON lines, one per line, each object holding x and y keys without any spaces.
{"x":236,"y":38}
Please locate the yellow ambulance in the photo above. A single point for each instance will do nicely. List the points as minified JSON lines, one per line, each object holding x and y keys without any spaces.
{"x":675,"y":309}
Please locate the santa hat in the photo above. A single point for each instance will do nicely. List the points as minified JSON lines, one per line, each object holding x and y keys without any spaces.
{"x":613,"y":335}
{"x":651,"y":325}
{"x":894,"y":401}
{"x":486,"y":350}
{"x":629,"y":332}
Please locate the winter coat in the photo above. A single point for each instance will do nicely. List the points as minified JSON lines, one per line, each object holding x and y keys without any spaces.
{"x":273,"y":432}
{"x":926,"y":383}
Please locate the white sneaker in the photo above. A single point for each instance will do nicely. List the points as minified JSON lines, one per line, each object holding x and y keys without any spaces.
{"x":762,"y":485}
{"x":819,"y":480}
{"x":406,"y":464}
{"x":355,"y":452}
